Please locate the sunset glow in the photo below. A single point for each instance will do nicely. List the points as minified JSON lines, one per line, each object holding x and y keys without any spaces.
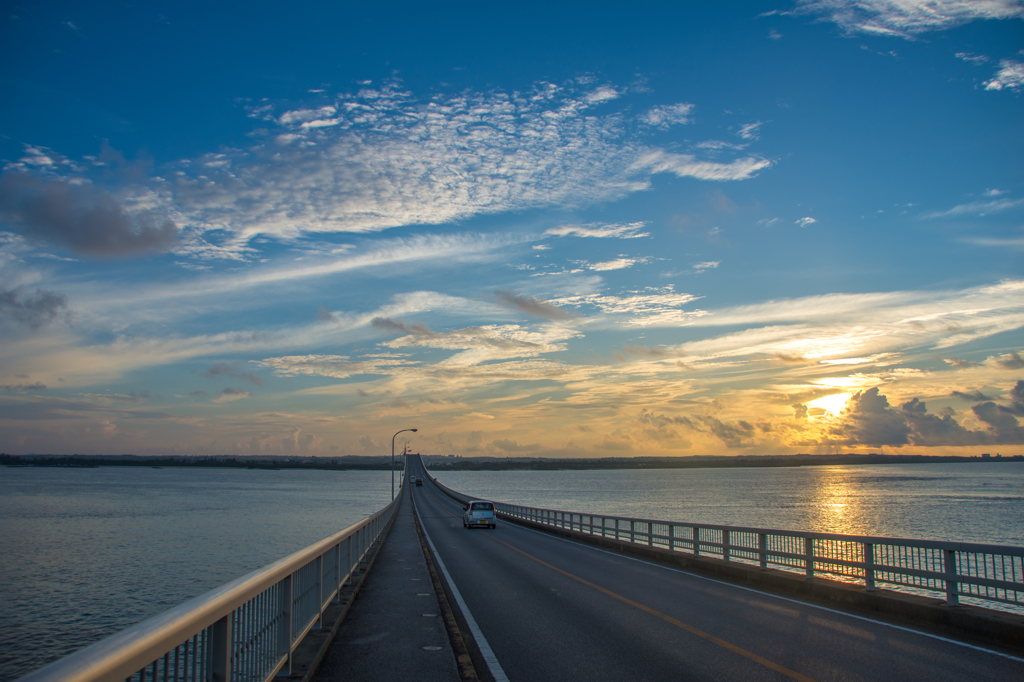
{"x":832,"y":404}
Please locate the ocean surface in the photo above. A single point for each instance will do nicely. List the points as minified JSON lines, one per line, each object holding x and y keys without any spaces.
{"x":85,"y":553}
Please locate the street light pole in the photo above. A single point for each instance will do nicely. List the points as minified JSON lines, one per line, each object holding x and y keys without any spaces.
{"x":393,"y":460}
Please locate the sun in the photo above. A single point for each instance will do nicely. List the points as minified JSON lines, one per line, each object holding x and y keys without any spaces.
{"x":833,"y":404}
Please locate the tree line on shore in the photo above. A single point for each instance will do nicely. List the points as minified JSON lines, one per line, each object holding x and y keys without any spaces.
{"x":447,"y":463}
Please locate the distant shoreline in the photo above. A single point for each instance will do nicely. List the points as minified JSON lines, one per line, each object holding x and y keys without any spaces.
{"x":449,"y":463}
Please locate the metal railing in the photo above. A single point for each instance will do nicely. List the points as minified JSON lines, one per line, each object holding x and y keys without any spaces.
{"x":244,"y":631}
{"x":992,"y":573}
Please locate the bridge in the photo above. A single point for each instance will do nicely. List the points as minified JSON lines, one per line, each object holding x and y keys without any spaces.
{"x":409,"y":593}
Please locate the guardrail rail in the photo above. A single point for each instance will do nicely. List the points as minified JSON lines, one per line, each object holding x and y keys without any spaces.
{"x":243,"y":631}
{"x":990,"y":573}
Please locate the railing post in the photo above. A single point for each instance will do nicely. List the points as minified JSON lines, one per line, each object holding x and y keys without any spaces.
{"x":869,"y":566}
{"x":952,"y":584}
{"x":809,"y":557}
{"x":632,"y":531}
{"x":319,"y":592}
{"x":337,"y":573}
{"x":284,"y":637}
{"x":671,"y":538}
{"x":762,"y":549}
{"x":696,"y":540}
{"x":725,"y":545}
{"x":650,"y":534}
{"x":220,"y":649}
{"x":350,"y":561}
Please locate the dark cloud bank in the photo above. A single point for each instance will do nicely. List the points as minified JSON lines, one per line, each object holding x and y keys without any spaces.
{"x":34,"y":310}
{"x":868,"y":419}
{"x":89,"y":221}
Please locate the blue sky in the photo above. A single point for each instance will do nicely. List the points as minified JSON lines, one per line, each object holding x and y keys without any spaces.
{"x":583,"y":230}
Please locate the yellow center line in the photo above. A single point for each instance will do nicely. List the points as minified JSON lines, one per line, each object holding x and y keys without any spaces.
{"x":792,"y":674}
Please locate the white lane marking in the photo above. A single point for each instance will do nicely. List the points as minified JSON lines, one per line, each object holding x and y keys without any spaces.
{"x":497,"y":672}
{"x":775,"y":596}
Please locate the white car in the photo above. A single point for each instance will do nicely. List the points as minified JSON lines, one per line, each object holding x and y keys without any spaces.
{"x":480,"y":514}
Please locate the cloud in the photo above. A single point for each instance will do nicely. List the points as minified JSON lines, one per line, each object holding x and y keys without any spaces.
{"x":960,"y":363}
{"x":385,"y":158}
{"x":650,"y":307}
{"x":1017,"y":397}
{"x":1007,"y":361}
{"x":1010,"y":75}
{"x":973,"y":396}
{"x":906,"y":18}
{"x":1015,"y":243}
{"x":668,"y":115}
{"x":980,"y":208}
{"x":513,"y":446}
{"x":600,"y":230}
{"x":686,"y":165}
{"x":87,"y":220}
{"x":15,"y":388}
{"x":972,"y":58}
{"x":398,"y":326}
{"x":647,"y":352}
{"x":869,"y":420}
{"x":804,"y":222}
{"x":616,"y":264}
{"x":231,"y":394}
{"x":35,"y":310}
{"x":844,"y":327}
{"x":335,"y":366}
{"x":422,"y":250}
{"x":532,"y":306}
{"x":1004,"y":427}
{"x":706,"y":265}
{"x":736,"y":435}
{"x":750,"y":131}
{"x":482,"y":343}
{"x":602,"y":94}
{"x":224,"y":369}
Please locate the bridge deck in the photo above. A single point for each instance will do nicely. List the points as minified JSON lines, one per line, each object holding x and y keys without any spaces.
{"x":550,"y":608}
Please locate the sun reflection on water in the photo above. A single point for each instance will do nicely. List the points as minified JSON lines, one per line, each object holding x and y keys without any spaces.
{"x":837,"y":506}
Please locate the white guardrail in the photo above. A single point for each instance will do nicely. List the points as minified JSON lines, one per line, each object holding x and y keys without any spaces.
{"x":244,"y":631}
{"x":993,"y":573}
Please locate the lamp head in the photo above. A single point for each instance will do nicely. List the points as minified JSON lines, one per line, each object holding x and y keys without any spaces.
{"x":413,"y":430}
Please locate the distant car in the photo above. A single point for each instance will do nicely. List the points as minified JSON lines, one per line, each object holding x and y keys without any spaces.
{"x":419,"y":481}
{"x":480,"y":514}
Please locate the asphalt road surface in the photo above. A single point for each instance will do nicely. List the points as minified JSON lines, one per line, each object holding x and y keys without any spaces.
{"x":554,"y":609}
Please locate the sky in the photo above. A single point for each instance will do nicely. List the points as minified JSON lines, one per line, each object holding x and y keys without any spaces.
{"x":537,"y":229}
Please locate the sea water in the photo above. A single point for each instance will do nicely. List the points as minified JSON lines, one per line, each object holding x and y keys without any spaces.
{"x":85,"y":553}
{"x":981,"y":503}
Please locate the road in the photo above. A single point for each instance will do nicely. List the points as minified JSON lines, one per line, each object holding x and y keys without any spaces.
{"x":554,"y":609}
